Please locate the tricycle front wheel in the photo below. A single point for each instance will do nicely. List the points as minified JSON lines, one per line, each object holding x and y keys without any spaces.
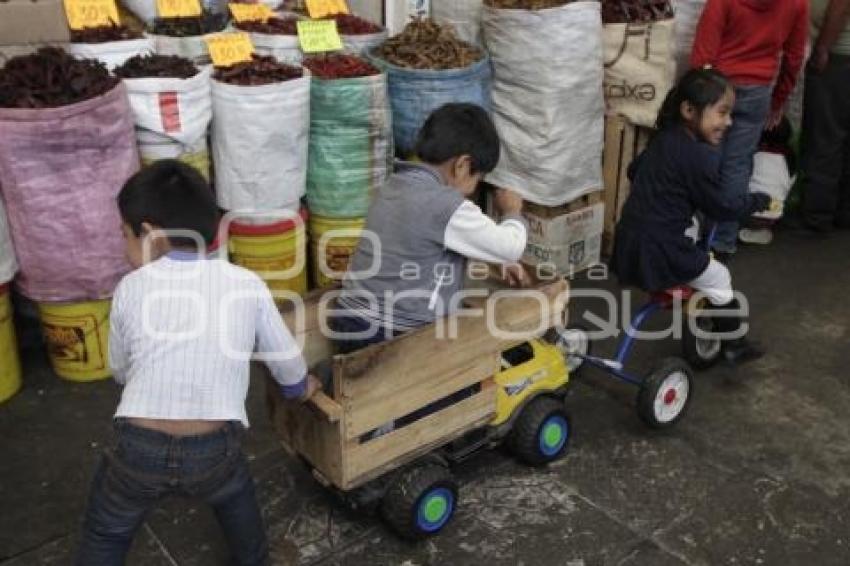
{"x":665,"y":394}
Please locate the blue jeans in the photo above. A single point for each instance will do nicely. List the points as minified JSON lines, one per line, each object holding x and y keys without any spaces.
{"x":147,"y":466}
{"x":752,"y":105}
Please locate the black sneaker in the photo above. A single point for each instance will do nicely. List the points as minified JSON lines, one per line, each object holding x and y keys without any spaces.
{"x":741,"y":351}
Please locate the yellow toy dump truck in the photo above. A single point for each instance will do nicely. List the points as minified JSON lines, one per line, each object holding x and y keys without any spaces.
{"x":507,"y":387}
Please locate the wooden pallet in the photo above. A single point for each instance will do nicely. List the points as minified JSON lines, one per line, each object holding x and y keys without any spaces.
{"x":623,"y":142}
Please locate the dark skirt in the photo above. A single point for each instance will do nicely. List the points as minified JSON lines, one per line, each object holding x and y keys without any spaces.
{"x":655,"y":261}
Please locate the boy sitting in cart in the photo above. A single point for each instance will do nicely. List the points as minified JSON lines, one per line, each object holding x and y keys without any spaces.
{"x":422,"y":229}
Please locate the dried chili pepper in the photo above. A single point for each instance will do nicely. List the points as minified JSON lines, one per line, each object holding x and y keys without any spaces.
{"x":207,"y":22}
{"x":51,"y":77}
{"x":272,"y":26}
{"x":352,"y":25}
{"x":259,"y":71}
{"x":102,"y":34}
{"x":160,"y":66}
{"x":339,"y":66}
{"x":425,"y":44}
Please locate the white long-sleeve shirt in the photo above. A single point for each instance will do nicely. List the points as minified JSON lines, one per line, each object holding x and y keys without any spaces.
{"x":183,"y":332}
{"x":474,"y":235}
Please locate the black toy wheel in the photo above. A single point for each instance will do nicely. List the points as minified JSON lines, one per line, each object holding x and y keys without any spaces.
{"x":701,"y":350}
{"x":665,"y":394}
{"x":420,"y":501}
{"x":574,"y":342}
{"x":541,"y":434}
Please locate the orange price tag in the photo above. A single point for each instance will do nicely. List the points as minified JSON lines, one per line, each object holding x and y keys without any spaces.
{"x":178,"y":8}
{"x":91,"y":13}
{"x":250,"y":12}
{"x":321,"y":8}
{"x":227,"y":49}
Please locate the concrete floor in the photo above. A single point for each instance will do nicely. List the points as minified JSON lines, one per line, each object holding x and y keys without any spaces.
{"x":758,"y":473}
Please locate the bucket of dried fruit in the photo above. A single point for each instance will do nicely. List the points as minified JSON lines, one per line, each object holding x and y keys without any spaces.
{"x":172,"y":108}
{"x":351,"y":149}
{"x":111,"y":45}
{"x":184,"y":37}
{"x":276,"y":37}
{"x":67,"y":146}
{"x":547,"y":76}
{"x":259,"y":134}
{"x":639,"y":43}
{"x":427,"y":66}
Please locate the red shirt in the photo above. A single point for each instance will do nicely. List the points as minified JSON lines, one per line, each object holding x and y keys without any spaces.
{"x":744,"y":39}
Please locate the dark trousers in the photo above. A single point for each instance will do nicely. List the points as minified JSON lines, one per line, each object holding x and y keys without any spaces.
{"x":826,"y":144}
{"x":147,"y":466}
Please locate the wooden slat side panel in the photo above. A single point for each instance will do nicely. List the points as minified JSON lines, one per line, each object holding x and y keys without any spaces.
{"x":305,"y":432}
{"x":370,"y":409}
{"x":398,"y":366}
{"x":372,"y":459}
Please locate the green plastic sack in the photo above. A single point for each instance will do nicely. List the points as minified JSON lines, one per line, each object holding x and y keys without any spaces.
{"x":351,"y":147}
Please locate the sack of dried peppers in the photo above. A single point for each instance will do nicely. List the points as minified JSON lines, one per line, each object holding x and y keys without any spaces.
{"x":111,"y":45}
{"x":66,"y":148}
{"x":427,"y":66}
{"x":639,"y":42}
{"x":172,"y":108}
{"x":261,"y":121}
{"x":351,"y":149}
{"x":547,"y":80}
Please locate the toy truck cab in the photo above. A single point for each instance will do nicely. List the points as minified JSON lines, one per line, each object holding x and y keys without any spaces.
{"x":496,"y":375}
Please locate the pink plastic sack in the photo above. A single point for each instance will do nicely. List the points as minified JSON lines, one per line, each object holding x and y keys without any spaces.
{"x":60,"y":172}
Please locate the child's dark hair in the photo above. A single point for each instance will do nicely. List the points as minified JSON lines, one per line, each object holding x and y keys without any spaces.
{"x":699,"y":87}
{"x":171,"y":195}
{"x":459,"y":129}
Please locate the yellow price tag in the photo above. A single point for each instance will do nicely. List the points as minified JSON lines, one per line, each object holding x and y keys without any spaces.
{"x":321,"y":8}
{"x":250,"y":12}
{"x":91,"y":13}
{"x":227,"y":49}
{"x":317,"y":36}
{"x":178,"y":8}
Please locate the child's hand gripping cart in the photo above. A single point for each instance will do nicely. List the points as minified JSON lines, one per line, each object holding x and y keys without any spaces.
{"x":448,"y":397}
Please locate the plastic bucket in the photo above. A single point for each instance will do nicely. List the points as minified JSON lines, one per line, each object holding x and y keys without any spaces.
{"x":77,"y":337}
{"x":10,"y":362}
{"x":332,"y":244}
{"x":270,"y":250}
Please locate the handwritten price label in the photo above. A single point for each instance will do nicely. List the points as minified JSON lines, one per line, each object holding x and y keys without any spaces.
{"x":319,"y":36}
{"x":251,"y":12}
{"x":91,"y":13}
{"x":321,"y":8}
{"x":227,"y":49}
{"x":178,"y":8}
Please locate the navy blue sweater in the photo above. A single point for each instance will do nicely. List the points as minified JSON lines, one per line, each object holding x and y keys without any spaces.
{"x":674,"y":178}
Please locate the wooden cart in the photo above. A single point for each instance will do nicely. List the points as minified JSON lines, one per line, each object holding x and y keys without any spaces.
{"x":334,"y":433}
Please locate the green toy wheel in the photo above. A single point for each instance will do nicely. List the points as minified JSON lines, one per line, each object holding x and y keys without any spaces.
{"x":421,"y":501}
{"x":542,"y":432}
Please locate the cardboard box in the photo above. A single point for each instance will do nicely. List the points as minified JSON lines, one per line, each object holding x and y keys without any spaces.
{"x":567,"y":239}
{"x":32,"y":22}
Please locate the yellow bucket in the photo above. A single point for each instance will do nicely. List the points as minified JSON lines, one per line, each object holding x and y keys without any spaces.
{"x":77,"y":336}
{"x":200,"y":160}
{"x":10,"y":362}
{"x":336,"y":252}
{"x":271,"y":249}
